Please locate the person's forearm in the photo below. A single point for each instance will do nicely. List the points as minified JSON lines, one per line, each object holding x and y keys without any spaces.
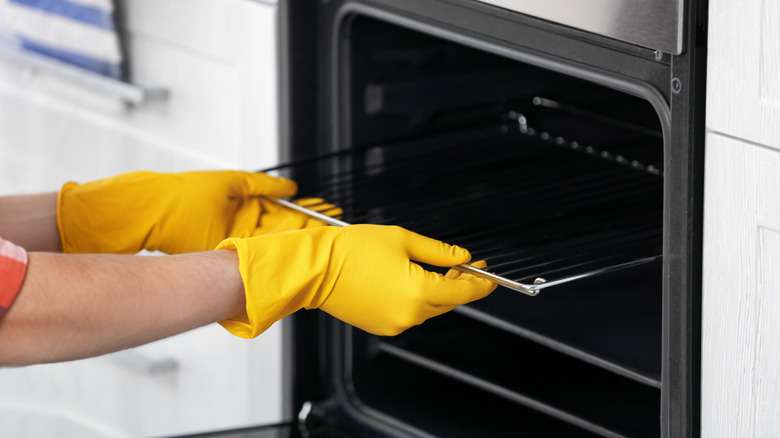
{"x":30,"y":221}
{"x":76,"y":306}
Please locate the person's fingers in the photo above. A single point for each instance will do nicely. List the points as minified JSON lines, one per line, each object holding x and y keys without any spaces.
{"x":334,"y":212}
{"x":245,"y":219}
{"x":434,"y":311}
{"x":454,"y":273}
{"x":276,"y":218}
{"x":310,"y":203}
{"x":459,"y":291}
{"x":320,"y":206}
{"x":328,"y":210}
{"x":443,"y":291}
{"x":434,"y":252}
{"x":264,"y":184}
{"x":479,"y":264}
{"x":439,"y":310}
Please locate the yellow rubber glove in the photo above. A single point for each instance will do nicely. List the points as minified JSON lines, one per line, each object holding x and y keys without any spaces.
{"x":361,"y":274}
{"x":277,"y":218}
{"x":170,"y":212}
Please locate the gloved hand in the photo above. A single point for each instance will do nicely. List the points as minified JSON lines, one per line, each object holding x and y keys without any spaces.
{"x":170,"y":212}
{"x":361,"y":274}
{"x":276,"y":218}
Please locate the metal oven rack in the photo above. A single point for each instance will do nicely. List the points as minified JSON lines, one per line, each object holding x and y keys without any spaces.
{"x":522,"y":202}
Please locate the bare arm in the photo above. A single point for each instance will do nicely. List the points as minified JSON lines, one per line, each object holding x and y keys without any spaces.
{"x":76,"y":306}
{"x":30,"y":221}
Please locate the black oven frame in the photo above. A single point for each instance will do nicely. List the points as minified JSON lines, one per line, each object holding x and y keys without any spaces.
{"x":310,"y":75}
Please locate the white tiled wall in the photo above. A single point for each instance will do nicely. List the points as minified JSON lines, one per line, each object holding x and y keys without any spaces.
{"x":217,"y":58}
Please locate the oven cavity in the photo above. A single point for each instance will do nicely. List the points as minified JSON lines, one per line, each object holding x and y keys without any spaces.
{"x":541,"y":174}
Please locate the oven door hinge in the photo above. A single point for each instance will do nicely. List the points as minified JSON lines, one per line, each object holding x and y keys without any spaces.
{"x":315,"y":418}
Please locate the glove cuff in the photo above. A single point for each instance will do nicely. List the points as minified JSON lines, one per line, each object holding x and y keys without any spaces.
{"x":67,"y":245}
{"x":107,"y":216}
{"x":282,"y":273}
{"x":242,"y":325}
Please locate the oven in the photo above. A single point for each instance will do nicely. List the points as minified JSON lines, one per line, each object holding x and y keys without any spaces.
{"x":550,"y":140}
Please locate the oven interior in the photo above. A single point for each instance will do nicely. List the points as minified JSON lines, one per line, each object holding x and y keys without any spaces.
{"x":539,"y":173}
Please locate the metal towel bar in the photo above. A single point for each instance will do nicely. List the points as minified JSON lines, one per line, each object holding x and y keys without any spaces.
{"x":130,"y":93}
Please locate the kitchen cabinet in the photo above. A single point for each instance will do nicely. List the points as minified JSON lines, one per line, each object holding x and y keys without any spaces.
{"x":743,"y":100}
{"x":741,"y":298}
{"x":741,"y":280}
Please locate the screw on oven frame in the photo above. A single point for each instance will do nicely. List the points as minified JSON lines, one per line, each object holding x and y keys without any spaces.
{"x":676,"y":85}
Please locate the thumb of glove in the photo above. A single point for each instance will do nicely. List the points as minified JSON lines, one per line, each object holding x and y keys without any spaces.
{"x":434,"y":252}
{"x":248,"y":184}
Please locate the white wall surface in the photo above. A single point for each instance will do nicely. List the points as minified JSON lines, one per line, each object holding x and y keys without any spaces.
{"x":217,"y":58}
{"x":741,"y":334}
{"x":741,"y":274}
{"x":743,"y":98}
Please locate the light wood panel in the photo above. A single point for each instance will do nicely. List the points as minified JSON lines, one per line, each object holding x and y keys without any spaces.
{"x":741,"y":290}
{"x":743,"y":98}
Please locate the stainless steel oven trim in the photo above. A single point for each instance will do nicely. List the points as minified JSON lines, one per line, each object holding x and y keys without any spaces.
{"x":656,"y":24}
{"x":339,"y":103}
{"x":420,"y":24}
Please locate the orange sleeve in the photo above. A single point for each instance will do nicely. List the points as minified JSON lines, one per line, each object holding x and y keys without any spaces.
{"x":13,"y":265}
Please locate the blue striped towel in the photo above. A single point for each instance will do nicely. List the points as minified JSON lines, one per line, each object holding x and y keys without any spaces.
{"x":79,"y":32}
